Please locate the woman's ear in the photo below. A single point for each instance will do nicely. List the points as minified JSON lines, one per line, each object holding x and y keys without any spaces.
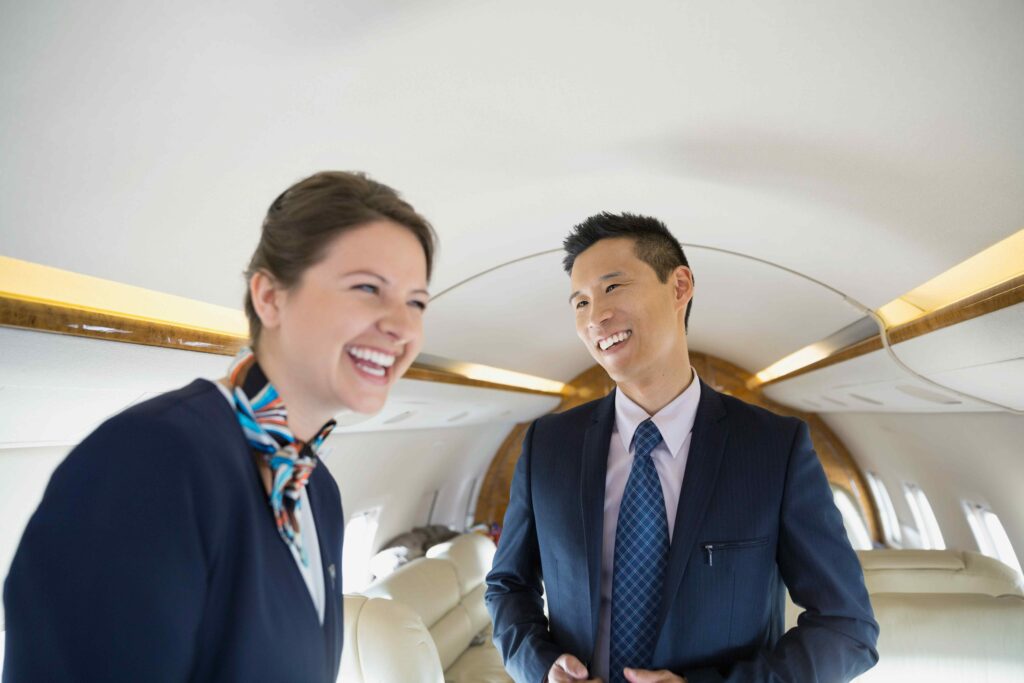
{"x":267,"y":296}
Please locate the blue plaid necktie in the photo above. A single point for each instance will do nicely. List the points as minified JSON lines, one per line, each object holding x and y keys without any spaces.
{"x":641,"y":557}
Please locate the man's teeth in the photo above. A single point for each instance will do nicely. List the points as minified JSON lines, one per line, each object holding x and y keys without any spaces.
{"x":384,"y":360}
{"x":611,"y":341}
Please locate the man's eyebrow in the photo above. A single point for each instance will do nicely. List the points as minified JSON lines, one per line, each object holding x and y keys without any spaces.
{"x":606,"y":276}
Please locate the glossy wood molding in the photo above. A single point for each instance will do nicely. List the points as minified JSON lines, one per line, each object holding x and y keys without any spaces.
{"x":839,"y":465}
{"x":42,"y":316}
{"x":1002,"y":296}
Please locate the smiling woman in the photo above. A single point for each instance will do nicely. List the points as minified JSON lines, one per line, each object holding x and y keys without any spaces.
{"x":185,"y":517}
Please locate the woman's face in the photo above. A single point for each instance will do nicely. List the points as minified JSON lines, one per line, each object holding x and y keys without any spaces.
{"x":353,"y":324}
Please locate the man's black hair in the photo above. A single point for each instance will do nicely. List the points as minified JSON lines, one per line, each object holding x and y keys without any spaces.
{"x":653,"y":243}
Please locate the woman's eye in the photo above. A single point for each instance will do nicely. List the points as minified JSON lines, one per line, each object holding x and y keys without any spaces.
{"x":370,"y":289}
{"x":422,"y":305}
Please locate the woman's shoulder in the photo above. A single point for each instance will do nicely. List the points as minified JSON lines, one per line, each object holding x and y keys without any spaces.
{"x":181,"y":424}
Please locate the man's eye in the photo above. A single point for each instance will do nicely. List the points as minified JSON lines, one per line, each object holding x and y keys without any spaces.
{"x":370,"y":289}
{"x":610,"y":288}
{"x":580,"y":304}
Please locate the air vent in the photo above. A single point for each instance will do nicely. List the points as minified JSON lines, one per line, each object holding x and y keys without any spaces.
{"x":458,"y":416}
{"x":928,"y":395}
{"x":401,"y":417}
{"x":811,"y":404}
{"x":832,"y":400}
{"x":865,"y":399}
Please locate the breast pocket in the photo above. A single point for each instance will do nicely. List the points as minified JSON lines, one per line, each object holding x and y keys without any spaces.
{"x":725,"y":551}
{"x":742,"y":569}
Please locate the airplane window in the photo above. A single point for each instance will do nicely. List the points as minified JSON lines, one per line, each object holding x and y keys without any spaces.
{"x":924,"y":518}
{"x":856,"y":530}
{"x":887,"y":512}
{"x":991,"y":535}
{"x":355,"y":561}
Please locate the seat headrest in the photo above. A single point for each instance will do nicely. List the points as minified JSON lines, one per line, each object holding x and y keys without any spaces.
{"x":472,"y":555}
{"x":429,"y":586}
{"x":937,"y":571}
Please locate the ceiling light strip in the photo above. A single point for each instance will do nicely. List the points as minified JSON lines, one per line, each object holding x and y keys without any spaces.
{"x":45,"y":299}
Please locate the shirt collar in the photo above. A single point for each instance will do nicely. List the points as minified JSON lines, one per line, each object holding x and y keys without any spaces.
{"x":674,"y":421}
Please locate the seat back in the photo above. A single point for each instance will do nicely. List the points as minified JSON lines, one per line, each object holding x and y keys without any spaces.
{"x":386,"y":641}
{"x":430,"y":587}
{"x":948,"y":637}
{"x":472,"y":556}
{"x":937,"y":571}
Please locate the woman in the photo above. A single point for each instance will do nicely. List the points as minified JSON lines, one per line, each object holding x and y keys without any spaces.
{"x":195,"y":537}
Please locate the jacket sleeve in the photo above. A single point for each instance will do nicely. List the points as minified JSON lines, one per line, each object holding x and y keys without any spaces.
{"x":109,"y":579}
{"x":514,"y":590}
{"x":835,"y":637}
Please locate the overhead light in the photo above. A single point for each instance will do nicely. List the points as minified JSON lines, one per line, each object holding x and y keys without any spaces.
{"x":486,"y":373}
{"x":1001,"y":262}
{"x":33,"y":282}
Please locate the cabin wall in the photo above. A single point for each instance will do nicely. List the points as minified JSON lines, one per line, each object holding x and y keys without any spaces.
{"x":399,"y":472}
{"x":973,"y":456}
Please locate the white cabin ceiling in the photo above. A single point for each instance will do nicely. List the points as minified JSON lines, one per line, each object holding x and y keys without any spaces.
{"x":870,"y":146}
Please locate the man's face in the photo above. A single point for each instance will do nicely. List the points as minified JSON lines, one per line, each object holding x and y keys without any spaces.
{"x":631,"y":323}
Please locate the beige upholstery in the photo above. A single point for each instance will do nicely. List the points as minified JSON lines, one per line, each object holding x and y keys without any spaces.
{"x":939,"y":637}
{"x":446,"y":589}
{"x":386,"y":642}
{"x":937,"y":571}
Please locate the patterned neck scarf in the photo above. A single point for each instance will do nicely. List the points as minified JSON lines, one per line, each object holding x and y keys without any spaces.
{"x":264,"y":420}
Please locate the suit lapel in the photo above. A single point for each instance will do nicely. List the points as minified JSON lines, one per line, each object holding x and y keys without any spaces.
{"x":707,"y":447}
{"x":592,"y":480}
{"x":328,"y":552}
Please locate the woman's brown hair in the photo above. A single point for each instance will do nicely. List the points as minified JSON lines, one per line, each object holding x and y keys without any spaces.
{"x":307,"y":216}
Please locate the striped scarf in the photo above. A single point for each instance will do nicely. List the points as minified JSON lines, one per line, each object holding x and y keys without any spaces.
{"x":264,"y":420}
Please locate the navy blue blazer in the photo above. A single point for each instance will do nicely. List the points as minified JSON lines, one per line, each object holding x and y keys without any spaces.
{"x":755,"y":511}
{"x":154,"y":557}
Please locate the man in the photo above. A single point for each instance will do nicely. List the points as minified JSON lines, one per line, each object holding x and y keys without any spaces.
{"x":665,"y":518}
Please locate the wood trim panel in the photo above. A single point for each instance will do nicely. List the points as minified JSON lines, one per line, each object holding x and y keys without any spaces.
{"x":840,"y":467}
{"x":41,"y":316}
{"x":1002,"y":296}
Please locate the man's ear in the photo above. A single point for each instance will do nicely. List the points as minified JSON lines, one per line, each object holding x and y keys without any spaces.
{"x":682,"y":283}
{"x":267,"y":295}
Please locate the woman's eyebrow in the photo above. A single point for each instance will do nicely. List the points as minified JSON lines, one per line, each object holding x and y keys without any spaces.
{"x":367,"y":272}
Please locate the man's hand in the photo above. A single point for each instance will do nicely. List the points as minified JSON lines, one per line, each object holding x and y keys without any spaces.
{"x":567,"y":669}
{"x":645,"y":676}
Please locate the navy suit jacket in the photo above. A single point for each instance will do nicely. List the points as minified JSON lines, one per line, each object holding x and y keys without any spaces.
{"x":755,"y":511}
{"x":154,"y":557}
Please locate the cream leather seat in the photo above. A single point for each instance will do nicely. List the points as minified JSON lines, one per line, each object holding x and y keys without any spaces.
{"x":472,"y":556}
{"x":937,"y":571}
{"x":386,"y":642}
{"x":446,"y":590}
{"x":939,"y":637}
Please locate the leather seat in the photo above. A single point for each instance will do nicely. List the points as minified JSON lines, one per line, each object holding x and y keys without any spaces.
{"x":446,"y":590}
{"x":940,"y":637}
{"x":386,"y":642}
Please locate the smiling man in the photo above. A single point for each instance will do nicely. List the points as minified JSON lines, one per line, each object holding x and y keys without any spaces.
{"x":665,"y":518}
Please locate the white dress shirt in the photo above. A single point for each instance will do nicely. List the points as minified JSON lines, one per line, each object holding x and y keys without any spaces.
{"x":675,"y":422}
{"x":313,"y":574}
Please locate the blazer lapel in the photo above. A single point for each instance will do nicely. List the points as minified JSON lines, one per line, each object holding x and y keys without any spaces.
{"x":592,"y":479}
{"x":707,"y":446}
{"x":329,"y":550}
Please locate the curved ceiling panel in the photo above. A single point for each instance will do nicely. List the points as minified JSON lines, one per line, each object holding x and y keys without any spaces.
{"x":518,"y":316}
